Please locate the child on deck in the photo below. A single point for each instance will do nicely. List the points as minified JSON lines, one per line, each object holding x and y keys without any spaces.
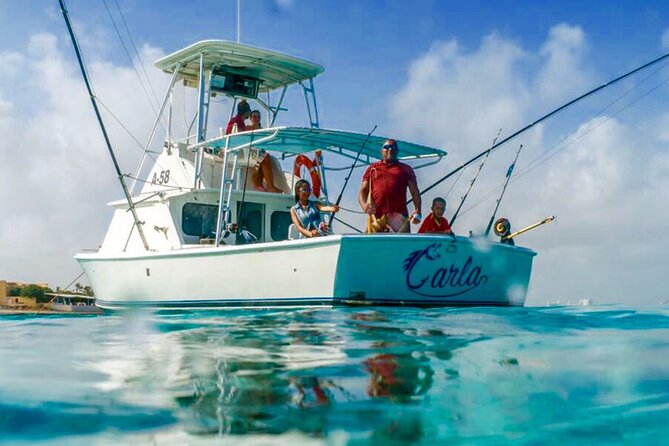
{"x":306,"y":214}
{"x":436,"y":223}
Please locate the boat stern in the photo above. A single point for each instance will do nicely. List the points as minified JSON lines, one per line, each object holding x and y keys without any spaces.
{"x":418,"y":269}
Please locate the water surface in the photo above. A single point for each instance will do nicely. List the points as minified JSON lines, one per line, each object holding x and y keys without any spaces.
{"x":582,"y":375}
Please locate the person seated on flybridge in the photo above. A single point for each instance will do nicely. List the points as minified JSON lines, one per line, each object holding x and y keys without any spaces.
{"x":255,"y":121}
{"x":306,"y":214}
{"x":238,"y":122}
{"x":267,"y":175}
{"x":436,"y":223}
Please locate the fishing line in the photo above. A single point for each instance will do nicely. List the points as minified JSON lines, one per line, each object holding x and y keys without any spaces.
{"x":547,"y":156}
{"x":454,"y":183}
{"x":176,"y":188}
{"x":509,"y":172}
{"x":91,"y":94}
{"x":527,"y":169}
{"x":547,"y":116}
{"x":348,"y":177}
{"x":346,"y":224}
{"x":64,"y":289}
{"x":471,"y":184}
{"x":150,"y":153}
{"x":139,"y":144}
{"x":125,"y":49}
{"x":240,"y":211}
{"x":139,"y":58}
{"x":352,"y":211}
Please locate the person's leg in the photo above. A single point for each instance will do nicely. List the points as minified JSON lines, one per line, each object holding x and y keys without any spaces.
{"x":257,"y":178}
{"x":268,"y":174}
{"x":398,"y":222}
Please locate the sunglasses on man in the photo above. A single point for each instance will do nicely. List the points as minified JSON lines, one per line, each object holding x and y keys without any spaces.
{"x":389,"y":147}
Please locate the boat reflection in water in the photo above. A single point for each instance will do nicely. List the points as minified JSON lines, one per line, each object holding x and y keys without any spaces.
{"x":292,"y":372}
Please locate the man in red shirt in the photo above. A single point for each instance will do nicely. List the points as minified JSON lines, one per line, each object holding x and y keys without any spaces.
{"x":243,"y":113}
{"x":436,"y":223}
{"x":388,"y":180}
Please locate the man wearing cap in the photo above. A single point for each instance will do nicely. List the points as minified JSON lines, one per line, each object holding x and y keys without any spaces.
{"x":383,"y":191}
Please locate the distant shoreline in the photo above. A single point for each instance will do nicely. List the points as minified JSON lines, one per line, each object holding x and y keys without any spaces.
{"x":37,"y":311}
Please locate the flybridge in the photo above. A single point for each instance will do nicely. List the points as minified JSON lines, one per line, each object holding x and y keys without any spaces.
{"x":272,"y":70}
{"x":241,"y":71}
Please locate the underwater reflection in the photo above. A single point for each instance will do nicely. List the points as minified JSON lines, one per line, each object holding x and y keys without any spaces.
{"x":398,"y":377}
{"x":293,"y":372}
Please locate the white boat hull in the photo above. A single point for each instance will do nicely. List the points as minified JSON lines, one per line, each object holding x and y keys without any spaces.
{"x":348,"y":269}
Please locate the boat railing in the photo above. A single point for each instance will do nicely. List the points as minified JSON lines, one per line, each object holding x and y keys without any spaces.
{"x":239,"y":147}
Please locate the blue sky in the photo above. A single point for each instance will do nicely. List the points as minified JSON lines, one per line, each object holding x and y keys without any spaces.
{"x":449,"y":74}
{"x":357,"y":41}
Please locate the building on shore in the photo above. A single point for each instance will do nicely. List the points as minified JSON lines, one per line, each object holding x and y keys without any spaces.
{"x":73,"y":303}
{"x":10,"y":299}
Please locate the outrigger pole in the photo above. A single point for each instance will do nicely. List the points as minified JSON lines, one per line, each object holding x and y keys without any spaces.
{"x":528,"y":228}
{"x":471,"y":184}
{"x":131,"y":205}
{"x":509,"y":172}
{"x":341,"y":194}
{"x":543,"y":118}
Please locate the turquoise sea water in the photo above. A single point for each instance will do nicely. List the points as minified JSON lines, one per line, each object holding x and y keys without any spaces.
{"x":574,"y":375}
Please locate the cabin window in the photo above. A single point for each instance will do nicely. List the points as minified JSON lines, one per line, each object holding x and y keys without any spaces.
{"x":199,"y":219}
{"x":279,"y":224}
{"x":251,"y":218}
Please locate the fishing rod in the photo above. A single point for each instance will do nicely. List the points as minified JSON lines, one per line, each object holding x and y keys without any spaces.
{"x":464,"y":197}
{"x":131,"y":205}
{"x":522,"y":231}
{"x":341,"y":194}
{"x":543,"y":118}
{"x":509,"y":172}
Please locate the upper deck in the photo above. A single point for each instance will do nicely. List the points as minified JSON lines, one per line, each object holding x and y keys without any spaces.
{"x":274,"y":70}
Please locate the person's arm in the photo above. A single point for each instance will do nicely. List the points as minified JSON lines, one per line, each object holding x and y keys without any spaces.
{"x":327,"y":208}
{"x":362,"y":198}
{"x":415,"y":196}
{"x":298,"y":224}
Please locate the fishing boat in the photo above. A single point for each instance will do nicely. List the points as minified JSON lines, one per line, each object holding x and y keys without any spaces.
{"x":196,"y":235}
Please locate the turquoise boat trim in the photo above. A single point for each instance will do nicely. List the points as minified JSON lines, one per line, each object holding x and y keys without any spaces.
{"x":296,"y":140}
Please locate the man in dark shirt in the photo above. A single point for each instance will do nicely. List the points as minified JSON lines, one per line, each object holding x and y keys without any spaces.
{"x":388,"y":180}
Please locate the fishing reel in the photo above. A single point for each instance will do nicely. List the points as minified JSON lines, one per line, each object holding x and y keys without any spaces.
{"x":502,"y":227}
{"x":503,"y":230}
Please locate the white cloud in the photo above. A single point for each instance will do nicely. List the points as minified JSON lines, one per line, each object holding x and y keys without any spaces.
{"x":563,"y":72}
{"x":12,"y":63}
{"x":284,"y":4}
{"x":5,"y":107}
{"x":665,"y":39}
{"x":606,"y":186}
{"x":55,"y":173}
{"x":457,"y":95}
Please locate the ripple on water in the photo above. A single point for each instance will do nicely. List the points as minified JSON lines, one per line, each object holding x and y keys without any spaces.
{"x":373,"y":375}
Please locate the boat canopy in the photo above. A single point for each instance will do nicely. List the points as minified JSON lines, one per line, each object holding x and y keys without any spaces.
{"x":296,"y":140}
{"x":274,"y":70}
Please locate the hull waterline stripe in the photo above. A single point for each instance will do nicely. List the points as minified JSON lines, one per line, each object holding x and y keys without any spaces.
{"x":299,"y":302}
